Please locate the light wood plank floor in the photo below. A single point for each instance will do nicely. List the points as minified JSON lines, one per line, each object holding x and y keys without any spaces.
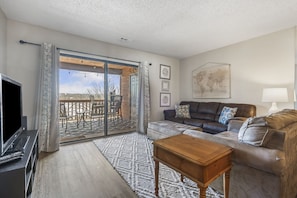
{"x":76,"y":171}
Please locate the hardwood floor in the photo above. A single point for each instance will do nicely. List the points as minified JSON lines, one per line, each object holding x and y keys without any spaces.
{"x":78,"y":170}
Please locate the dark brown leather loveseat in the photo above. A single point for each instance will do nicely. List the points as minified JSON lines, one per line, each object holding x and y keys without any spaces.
{"x":206,"y":115}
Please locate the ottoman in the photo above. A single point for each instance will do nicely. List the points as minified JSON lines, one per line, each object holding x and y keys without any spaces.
{"x":163,"y":129}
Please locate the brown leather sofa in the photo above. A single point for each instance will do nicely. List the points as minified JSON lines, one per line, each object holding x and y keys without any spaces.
{"x":206,"y":115}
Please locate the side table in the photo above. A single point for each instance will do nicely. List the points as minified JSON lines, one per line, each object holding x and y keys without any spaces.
{"x":200,"y":160}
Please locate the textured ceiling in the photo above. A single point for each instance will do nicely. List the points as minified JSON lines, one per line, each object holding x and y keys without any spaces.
{"x":176,"y":28}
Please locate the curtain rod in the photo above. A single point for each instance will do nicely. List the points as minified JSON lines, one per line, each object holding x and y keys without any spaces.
{"x":36,"y":44}
{"x":25,"y":42}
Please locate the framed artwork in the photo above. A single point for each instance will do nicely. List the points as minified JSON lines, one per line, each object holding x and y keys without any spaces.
{"x":165,"y":85}
{"x":211,"y":80}
{"x":165,"y":72}
{"x":165,"y":99}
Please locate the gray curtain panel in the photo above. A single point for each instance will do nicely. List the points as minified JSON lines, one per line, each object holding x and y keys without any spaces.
{"x":48,"y":99}
{"x":144,"y":107}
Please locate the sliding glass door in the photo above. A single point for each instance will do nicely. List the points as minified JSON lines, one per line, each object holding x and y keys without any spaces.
{"x":121,"y":99}
{"x":97,"y":98}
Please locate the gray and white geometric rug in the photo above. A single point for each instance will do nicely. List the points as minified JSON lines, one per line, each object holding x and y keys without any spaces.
{"x":131,"y":156}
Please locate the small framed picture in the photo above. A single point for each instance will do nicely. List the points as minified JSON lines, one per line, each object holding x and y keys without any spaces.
{"x":165,"y":99}
{"x":165,"y":85}
{"x":165,"y":72}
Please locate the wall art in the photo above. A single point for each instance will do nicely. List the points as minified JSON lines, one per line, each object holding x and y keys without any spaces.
{"x":211,"y":80}
{"x":165,"y":85}
{"x":165,"y":72}
{"x":165,"y":99}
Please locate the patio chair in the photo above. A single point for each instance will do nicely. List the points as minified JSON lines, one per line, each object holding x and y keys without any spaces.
{"x":97,"y":112}
{"x":115,"y":107}
{"x":63,"y":115}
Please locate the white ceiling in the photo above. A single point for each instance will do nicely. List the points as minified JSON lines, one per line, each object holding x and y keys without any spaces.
{"x":176,"y":28}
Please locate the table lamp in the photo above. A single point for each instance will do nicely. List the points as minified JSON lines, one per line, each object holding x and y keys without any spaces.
{"x":274,"y":95}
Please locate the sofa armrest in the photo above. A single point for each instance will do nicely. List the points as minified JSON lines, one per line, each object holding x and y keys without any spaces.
{"x":169,"y":113}
{"x":234,"y":125}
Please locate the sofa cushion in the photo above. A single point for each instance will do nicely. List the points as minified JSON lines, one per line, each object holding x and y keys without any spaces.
{"x":226,"y":114}
{"x":206,"y":111}
{"x":208,"y":107}
{"x":194,"y":122}
{"x":214,"y":127}
{"x":178,"y":120}
{"x":203,"y":116}
{"x":268,"y":160}
{"x":235,"y":125}
{"x":169,"y":113}
{"x":165,"y":128}
{"x":182,"y":111}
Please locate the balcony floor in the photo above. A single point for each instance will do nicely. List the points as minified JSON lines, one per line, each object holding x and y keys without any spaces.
{"x":83,"y":130}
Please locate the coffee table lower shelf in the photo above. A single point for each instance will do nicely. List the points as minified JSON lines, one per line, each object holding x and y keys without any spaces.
{"x":200,"y":160}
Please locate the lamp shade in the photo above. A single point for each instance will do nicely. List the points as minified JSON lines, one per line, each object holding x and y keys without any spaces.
{"x":275,"y":95}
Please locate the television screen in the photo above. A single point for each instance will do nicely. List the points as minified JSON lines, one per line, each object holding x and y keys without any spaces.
{"x":11,"y":111}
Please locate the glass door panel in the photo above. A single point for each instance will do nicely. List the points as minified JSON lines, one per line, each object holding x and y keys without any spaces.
{"x":81,"y":98}
{"x":121,"y":96}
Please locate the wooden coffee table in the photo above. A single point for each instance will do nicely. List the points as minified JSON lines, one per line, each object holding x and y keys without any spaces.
{"x":200,"y":160}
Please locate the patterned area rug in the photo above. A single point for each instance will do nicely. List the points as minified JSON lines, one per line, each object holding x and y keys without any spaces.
{"x":131,"y":156}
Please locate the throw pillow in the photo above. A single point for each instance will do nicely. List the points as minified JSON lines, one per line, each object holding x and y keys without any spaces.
{"x":182,"y":111}
{"x":257,"y":131}
{"x":254,"y":131}
{"x":226,"y":114}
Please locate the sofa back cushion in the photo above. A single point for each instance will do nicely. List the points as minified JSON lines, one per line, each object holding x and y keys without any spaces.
{"x":243,"y":110}
{"x":212,"y":110}
{"x":206,"y":111}
{"x":193,"y":105}
{"x":282,"y":119}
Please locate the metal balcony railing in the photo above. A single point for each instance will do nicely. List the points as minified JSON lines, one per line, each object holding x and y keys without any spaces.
{"x":73,"y":107}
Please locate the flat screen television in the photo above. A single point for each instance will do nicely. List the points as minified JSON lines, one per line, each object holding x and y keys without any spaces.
{"x":10,"y":112}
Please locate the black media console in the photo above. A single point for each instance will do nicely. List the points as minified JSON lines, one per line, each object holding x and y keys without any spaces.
{"x":16,"y":177}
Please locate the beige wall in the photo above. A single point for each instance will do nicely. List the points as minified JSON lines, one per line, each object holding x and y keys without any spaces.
{"x":266,"y":61}
{"x":295,"y":105}
{"x":2,"y":42}
{"x":23,"y":62}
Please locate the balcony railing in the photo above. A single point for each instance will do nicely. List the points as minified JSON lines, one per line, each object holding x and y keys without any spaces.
{"x":80,"y":124}
{"x":73,"y":107}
